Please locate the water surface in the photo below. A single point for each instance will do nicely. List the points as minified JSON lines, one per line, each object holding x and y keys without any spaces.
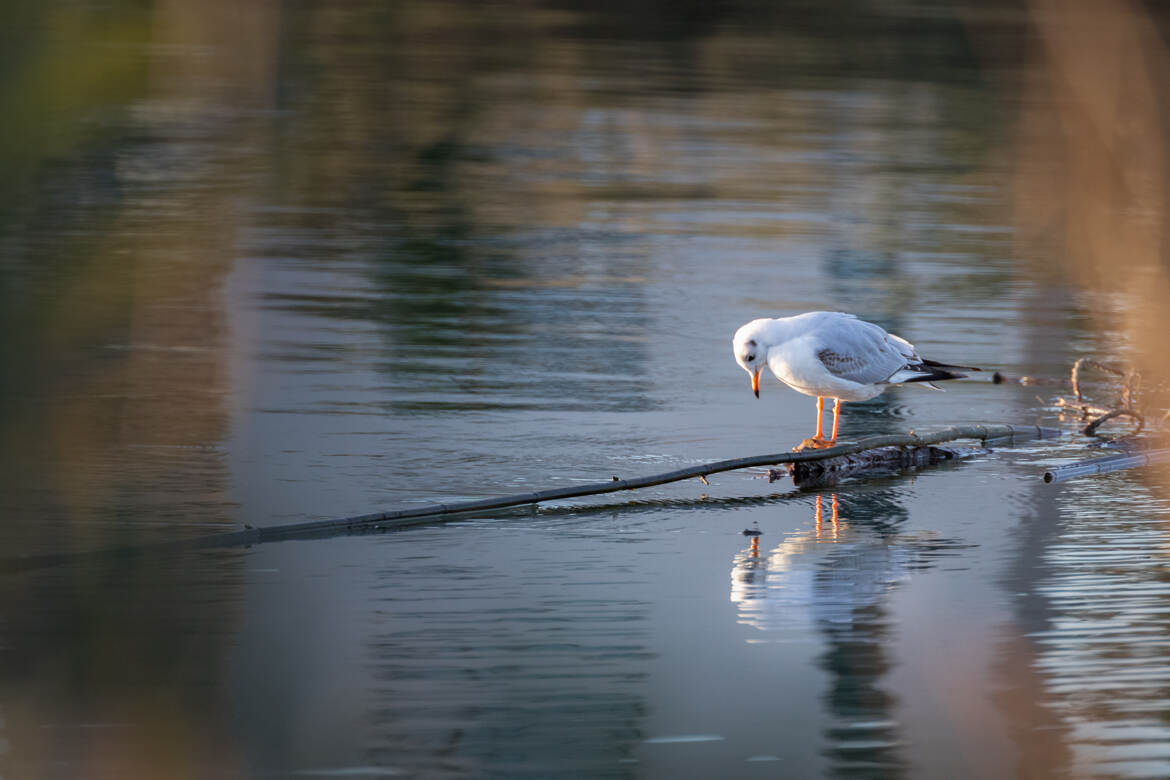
{"x":281,"y":264}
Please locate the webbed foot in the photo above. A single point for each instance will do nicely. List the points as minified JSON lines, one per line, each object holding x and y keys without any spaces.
{"x":815,"y":443}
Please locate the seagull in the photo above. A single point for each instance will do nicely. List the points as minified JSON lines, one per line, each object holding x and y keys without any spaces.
{"x":830,"y":354}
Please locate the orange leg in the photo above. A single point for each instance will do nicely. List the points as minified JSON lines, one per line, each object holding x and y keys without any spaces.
{"x":836,"y":417}
{"x":820,"y":434}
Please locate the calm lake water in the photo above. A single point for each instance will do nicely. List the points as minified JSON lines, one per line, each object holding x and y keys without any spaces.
{"x":273,"y":263}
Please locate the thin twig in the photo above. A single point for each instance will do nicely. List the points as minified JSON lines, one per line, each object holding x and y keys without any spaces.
{"x":1133,"y":381}
{"x":1092,"y":427}
{"x":1083,"y":408}
{"x":1076,"y":370}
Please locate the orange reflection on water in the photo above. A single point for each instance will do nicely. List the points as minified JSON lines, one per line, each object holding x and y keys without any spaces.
{"x":834,"y":519}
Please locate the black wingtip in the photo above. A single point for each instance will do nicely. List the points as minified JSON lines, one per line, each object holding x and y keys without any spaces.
{"x":937,"y":375}
{"x":947,"y":366}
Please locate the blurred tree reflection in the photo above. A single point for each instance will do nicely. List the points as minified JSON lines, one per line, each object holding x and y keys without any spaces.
{"x":118,"y":220}
{"x":1090,"y":161}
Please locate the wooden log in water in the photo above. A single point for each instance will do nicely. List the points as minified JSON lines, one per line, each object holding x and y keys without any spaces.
{"x":823,"y":473}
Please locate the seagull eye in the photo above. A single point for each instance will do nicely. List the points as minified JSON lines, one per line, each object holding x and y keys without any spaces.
{"x":750,"y":358}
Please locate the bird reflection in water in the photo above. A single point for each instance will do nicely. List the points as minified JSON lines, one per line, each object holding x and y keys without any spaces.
{"x":830,"y":583}
{"x":750,"y":572}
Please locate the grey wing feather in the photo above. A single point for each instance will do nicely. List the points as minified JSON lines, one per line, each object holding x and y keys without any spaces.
{"x":865,"y":353}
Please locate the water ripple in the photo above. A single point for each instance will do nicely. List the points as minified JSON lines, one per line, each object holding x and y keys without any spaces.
{"x":1105,"y":649}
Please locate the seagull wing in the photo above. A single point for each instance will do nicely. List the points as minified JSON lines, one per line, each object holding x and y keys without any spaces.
{"x":862,"y":352}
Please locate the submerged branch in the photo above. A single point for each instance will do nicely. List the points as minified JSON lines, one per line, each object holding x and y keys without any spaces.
{"x":1092,"y":427}
{"x":428,"y":514}
{"x":1106,"y":464}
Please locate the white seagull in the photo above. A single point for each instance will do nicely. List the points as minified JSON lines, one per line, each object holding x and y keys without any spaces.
{"x":829,"y":354}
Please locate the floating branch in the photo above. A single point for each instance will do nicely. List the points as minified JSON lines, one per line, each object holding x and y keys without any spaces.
{"x":1106,"y":464}
{"x":1092,"y":427}
{"x":429,"y":514}
{"x":434,"y":513}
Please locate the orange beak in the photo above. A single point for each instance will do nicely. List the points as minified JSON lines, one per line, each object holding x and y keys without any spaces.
{"x":756,"y":383}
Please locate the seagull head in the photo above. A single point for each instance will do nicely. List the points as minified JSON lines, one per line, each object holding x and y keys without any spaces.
{"x":750,"y":350}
